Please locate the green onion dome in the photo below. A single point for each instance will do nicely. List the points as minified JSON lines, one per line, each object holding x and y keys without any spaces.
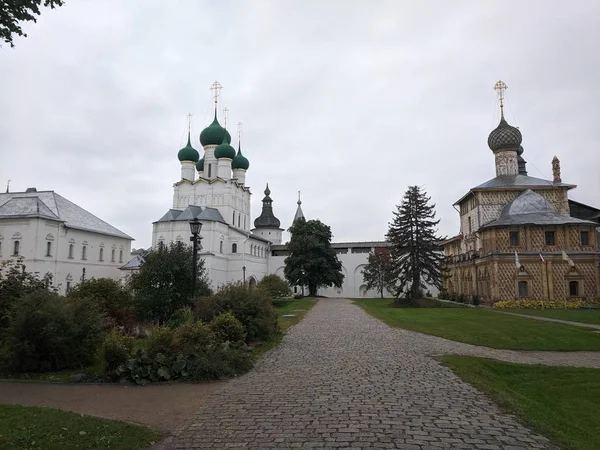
{"x":214,"y":134}
{"x":240,"y":161}
{"x":224,"y":150}
{"x":200,"y":165}
{"x":188,"y":153}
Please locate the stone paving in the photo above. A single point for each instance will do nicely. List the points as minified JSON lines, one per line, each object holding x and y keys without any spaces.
{"x":342,"y":379}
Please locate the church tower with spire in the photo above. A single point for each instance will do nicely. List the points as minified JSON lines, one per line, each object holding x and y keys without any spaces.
{"x":267,"y":225}
{"x":299,"y":214}
{"x":505,"y":141}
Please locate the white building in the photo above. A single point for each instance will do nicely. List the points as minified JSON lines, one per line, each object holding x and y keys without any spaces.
{"x":53,"y":235}
{"x":213,"y":189}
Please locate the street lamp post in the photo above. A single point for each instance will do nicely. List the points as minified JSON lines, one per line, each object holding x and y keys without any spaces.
{"x":303,"y":273}
{"x":195,"y":228}
{"x":244,"y":274}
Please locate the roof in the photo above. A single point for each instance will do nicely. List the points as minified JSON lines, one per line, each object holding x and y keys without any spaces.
{"x":530,"y":208}
{"x":363,"y":244}
{"x":50,"y":205}
{"x":192,"y":212}
{"x":515,"y":182}
{"x":134,"y":263}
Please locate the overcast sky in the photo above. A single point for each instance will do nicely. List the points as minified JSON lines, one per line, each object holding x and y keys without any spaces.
{"x":349,"y":102}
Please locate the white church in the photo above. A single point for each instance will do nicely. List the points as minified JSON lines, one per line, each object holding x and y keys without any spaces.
{"x":53,"y":235}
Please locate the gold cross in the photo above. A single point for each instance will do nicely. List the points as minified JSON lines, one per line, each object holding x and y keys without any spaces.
{"x":500,"y":87}
{"x":216,"y":88}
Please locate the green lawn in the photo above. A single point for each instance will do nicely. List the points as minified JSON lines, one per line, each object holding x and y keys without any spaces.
{"x":574,"y":315}
{"x":30,"y":427}
{"x":559,"y":402}
{"x":483,"y":327}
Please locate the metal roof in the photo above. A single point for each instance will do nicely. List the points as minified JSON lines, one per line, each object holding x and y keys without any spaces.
{"x":50,"y":205}
{"x":530,"y":208}
{"x":192,"y":212}
{"x":515,"y":182}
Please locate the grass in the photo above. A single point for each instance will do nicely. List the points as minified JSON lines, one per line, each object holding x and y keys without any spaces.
{"x":559,"y":402}
{"x":574,"y":315}
{"x":285,"y":307}
{"x":30,"y":427}
{"x":482,"y":327}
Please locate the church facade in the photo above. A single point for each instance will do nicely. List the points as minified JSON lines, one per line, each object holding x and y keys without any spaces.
{"x":213,"y":188}
{"x":518,"y":239}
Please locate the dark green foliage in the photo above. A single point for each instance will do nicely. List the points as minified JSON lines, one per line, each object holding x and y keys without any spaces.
{"x":275,"y":286}
{"x":164,"y":283}
{"x":194,"y":337}
{"x":228,"y":329}
{"x":16,"y":282}
{"x":378,"y":273}
{"x":160,"y":340}
{"x":112,"y":299}
{"x":312,"y":260}
{"x":115,"y":352}
{"x":252,"y":307}
{"x":47,"y":332}
{"x":13,"y":12}
{"x":476,"y":300}
{"x":415,"y":252}
{"x":181,"y":316}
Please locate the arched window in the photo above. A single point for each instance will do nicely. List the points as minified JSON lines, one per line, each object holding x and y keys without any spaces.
{"x":70,"y":251}
{"x":84,"y":252}
{"x":0,"y":248}
{"x":68,"y":286}
{"x":112,"y":255}
{"x":16,"y":248}
{"x":574,"y":288}
{"x":101,"y":258}
{"x":221,"y":246}
{"x":234,"y":248}
{"x":522,"y":289}
{"x":239,"y":221}
{"x":209,"y":170}
{"x":233,"y":220}
{"x":120,"y":256}
{"x":48,"y":248}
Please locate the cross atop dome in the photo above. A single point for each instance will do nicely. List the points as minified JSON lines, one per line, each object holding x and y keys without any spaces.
{"x":216,"y":90}
{"x":500,"y":87}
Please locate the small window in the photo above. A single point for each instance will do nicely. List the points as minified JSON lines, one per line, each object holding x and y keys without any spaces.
{"x":70,"y":251}
{"x":16,"y":248}
{"x":221,"y":246}
{"x":514,"y":238}
{"x":0,"y":248}
{"x":574,"y":288}
{"x":239,"y":221}
{"x":522,"y":289}
{"x":233,"y":220}
{"x":120,"y":256}
{"x":470,"y":225}
{"x":550,"y":238}
{"x":112,"y":255}
{"x":209,"y":170}
{"x":585,"y":238}
{"x":48,"y":248}
{"x":234,"y":248}
{"x":68,"y":286}
{"x":101,"y":258}
{"x":84,"y":252}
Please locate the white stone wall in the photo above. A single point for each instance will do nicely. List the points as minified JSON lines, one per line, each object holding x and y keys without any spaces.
{"x":274,"y":235}
{"x":35,"y":234}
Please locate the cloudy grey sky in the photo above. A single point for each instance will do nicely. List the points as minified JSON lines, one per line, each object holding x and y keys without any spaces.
{"x":349,"y":102}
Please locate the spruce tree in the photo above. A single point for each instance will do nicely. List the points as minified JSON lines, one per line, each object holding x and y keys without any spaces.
{"x":415,"y":248}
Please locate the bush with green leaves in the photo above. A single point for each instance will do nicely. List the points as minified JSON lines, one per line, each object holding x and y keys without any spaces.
{"x":181,"y":316}
{"x":113,"y":300}
{"x":116,"y":351}
{"x":47,"y":332}
{"x":160,"y":340}
{"x":227,"y":328}
{"x":252,"y":307}
{"x":276,"y":286}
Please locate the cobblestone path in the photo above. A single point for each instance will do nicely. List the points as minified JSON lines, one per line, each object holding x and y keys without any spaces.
{"x":342,"y":379}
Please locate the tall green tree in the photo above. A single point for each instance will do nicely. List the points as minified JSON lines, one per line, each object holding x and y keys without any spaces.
{"x":378,"y":273}
{"x":164,"y":282}
{"x":14,"y":12}
{"x":312,"y":261}
{"x":416,"y":255}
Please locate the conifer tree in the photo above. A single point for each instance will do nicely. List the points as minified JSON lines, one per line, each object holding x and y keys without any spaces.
{"x":378,"y":272}
{"x":415,"y":248}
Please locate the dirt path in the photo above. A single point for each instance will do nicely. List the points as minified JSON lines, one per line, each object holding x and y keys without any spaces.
{"x":161,"y":406}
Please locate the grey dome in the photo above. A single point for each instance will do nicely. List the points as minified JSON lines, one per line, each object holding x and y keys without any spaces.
{"x":529,"y":202}
{"x":504,"y":136}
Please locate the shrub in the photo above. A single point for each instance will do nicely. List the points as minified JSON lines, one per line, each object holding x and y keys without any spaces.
{"x":194,"y":337}
{"x":160,"y":340}
{"x":227,"y":328}
{"x":180,"y":317}
{"x":275,"y":286}
{"x":476,"y":300}
{"x":539,"y":304}
{"x":115,"y":352}
{"x":114,"y":301}
{"x":252,"y":307}
{"x":47,"y":332}
{"x":298,"y":296}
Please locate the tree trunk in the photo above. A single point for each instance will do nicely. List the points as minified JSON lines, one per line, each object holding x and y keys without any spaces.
{"x":312,"y":290}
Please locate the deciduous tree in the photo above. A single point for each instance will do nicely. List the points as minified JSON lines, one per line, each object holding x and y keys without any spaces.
{"x":14,"y":12}
{"x":378,"y":273}
{"x":312,"y":260}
